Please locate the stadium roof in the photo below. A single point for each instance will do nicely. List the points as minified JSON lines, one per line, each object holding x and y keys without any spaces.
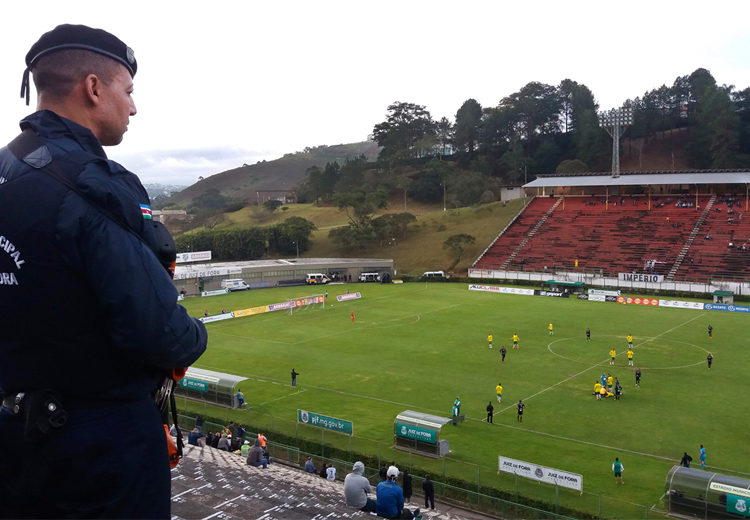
{"x":642,"y":178}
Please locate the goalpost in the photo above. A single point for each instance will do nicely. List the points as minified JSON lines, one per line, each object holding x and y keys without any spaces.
{"x":303,"y":303}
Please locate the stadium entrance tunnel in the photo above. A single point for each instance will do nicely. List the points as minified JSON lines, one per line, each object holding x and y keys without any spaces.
{"x":704,"y":494}
{"x":210,"y":387}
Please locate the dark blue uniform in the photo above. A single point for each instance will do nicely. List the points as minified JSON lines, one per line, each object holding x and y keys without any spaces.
{"x":88,"y":311}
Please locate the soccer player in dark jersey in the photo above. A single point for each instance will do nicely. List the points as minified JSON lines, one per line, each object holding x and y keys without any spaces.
{"x":520,"y":411}
{"x":638,"y":377}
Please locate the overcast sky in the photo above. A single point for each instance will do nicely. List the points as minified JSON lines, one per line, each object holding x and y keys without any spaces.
{"x":224,"y":83}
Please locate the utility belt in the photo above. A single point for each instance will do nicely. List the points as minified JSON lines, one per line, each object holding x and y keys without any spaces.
{"x":41,"y":411}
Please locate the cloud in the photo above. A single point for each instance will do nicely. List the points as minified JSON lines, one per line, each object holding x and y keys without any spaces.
{"x":183,"y":167}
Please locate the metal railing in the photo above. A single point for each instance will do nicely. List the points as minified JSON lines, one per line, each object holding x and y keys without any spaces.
{"x":468,"y":485}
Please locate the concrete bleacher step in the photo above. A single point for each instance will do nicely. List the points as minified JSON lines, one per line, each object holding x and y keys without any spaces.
{"x":210,"y":483}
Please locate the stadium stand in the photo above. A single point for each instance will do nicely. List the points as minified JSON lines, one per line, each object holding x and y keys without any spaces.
{"x":660,"y":234}
{"x":211,"y":483}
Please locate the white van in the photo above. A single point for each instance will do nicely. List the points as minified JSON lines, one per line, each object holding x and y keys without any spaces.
{"x":369,"y":277}
{"x":234,"y":284}
{"x":433,"y":274}
{"x":316,"y":278}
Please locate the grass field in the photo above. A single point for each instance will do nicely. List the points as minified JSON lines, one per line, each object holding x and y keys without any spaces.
{"x":417,"y":346}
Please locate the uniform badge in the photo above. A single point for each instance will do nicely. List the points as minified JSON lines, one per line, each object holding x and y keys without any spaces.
{"x":146,"y":211}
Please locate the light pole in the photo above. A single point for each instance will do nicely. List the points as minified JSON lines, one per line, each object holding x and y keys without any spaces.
{"x":612,"y":121}
{"x":296,"y":245}
{"x":443,"y":194}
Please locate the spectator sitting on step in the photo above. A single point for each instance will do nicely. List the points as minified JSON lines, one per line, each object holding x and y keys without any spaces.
{"x":195,"y":438}
{"x":245,"y":449}
{"x":390,"y":498}
{"x":224,"y":442}
{"x":331,"y":472}
{"x":309,"y":466}
{"x":356,"y":488}
{"x":255,"y":456}
{"x":235,"y":443}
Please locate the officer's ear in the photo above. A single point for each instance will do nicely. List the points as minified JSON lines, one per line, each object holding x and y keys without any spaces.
{"x":92,"y":89}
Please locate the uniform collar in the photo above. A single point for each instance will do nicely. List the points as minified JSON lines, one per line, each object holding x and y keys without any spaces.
{"x":49,"y":125}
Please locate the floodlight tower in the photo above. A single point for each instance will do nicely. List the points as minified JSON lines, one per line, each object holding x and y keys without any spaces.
{"x":613,"y":121}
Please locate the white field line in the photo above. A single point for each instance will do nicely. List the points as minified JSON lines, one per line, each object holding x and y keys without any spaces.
{"x":599,"y":364}
{"x":395,"y":322}
{"x":278,"y":398}
{"x":551,"y":435}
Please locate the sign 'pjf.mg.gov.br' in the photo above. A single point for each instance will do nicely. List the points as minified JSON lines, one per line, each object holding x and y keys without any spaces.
{"x":323,"y":421}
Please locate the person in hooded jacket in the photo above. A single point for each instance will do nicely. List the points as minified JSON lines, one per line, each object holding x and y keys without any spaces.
{"x":255,"y":456}
{"x":356,"y":489}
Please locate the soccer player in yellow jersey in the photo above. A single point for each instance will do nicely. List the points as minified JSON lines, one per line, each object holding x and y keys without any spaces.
{"x":597,"y":388}
{"x":515,"y":340}
{"x":610,"y":380}
{"x":612,"y":355}
{"x":630,"y":356}
{"x":499,"y":392}
{"x":489,"y":340}
{"x":551,"y":332}
{"x":630,"y":340}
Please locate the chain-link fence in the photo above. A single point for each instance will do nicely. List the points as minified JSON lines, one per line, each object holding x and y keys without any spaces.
{"x":473,"y":486}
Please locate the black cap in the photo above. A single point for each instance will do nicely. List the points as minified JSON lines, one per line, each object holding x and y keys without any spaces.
{"x":69,"y":36}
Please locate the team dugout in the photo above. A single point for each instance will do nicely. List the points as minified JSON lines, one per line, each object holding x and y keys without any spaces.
{"x":419,"y":433}
{"x":210,"y":387}
{"x":705,"y":494}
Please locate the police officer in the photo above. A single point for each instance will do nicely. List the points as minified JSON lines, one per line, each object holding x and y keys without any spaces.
{"x":88,"y":313}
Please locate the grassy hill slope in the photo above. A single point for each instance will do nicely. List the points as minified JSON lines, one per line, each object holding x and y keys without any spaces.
{"x":421,"y":250}
{"x":280,"y":174}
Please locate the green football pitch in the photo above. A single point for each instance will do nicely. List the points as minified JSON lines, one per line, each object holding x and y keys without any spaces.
{"x":417,"y":346}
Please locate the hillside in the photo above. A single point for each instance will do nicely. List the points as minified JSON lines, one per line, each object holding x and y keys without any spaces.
{"x":662,"y":151}
{"x":281,"y":174}
{"x":421,"y":250}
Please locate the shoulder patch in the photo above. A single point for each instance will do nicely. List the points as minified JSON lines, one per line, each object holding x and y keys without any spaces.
{"x":146,"y":211}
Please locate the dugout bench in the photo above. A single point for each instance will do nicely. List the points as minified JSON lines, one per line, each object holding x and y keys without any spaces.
{"x":419,"y":433}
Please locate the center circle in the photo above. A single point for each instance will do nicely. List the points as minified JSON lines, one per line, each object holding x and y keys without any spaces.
{"x":653,"y":353}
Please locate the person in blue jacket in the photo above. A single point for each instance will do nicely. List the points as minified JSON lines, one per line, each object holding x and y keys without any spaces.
{"x":88,"y":311}
{"x":390,"y":498}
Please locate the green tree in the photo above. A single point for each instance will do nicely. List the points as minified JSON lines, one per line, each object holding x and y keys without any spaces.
{"x":387,"y":228}
{"x":741,"y":100}
{"x":457,"y":244}
{"x":714,"y":142}
{"x":467,"y":129}
{"x":405,"y":125}
{"x":272,"y":205}
{"x":535,"y":109}
{"x":360,"y":205}
{"x":444,"y":135}
{"x":291,"y":236}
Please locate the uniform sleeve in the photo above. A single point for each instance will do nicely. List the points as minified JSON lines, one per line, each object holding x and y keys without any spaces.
{"x":134,"y":291}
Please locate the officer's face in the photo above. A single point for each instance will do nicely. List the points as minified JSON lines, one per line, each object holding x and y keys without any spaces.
{"x":116,"y":108}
